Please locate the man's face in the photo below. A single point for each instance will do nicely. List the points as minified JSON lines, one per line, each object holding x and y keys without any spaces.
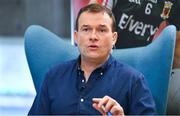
{"x":94,"y":37}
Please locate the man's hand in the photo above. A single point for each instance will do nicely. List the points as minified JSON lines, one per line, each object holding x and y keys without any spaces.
{"x":107,"y":104}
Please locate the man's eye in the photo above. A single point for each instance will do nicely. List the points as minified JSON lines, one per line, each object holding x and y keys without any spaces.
{"x":102,"y":30}
{"x":85,"y":29}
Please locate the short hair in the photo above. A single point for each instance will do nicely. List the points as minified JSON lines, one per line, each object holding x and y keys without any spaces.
{"x":96,"y":8}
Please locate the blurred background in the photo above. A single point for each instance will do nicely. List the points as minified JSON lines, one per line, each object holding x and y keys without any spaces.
{"x":16,"y":87}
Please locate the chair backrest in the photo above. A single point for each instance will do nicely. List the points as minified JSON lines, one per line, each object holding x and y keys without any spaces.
{"x":44,"y":49}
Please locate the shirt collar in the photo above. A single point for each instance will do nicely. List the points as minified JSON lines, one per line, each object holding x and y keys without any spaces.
{"x":105,"y":66}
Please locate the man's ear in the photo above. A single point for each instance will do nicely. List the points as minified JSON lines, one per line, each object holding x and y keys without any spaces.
{"x":114,"y":38}
{"x":75,"y":37}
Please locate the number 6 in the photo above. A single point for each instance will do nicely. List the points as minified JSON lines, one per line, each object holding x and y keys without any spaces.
{"x":148,"y":8}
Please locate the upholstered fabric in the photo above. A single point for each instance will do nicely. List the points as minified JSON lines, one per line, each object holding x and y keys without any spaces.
{"x":44,"y":49}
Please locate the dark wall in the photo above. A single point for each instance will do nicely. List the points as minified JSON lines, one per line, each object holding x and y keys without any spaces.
{"x":17,"y":15}
{"x":12,"y":17}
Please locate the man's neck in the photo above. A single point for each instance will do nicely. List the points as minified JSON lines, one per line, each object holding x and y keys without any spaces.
{"x":89,"y":65}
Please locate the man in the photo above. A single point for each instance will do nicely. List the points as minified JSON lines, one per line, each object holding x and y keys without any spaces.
{"x":94,"y":83}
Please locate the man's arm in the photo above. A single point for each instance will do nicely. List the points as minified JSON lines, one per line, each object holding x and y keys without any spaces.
{"x":176,"y":22}
{"x":176,"y":63}
{"x":142,"y":102}
{"x":41,"y":103}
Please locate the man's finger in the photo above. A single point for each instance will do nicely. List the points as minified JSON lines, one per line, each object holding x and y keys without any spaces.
{"x":96,"y":100}
{"x":101,"y":110}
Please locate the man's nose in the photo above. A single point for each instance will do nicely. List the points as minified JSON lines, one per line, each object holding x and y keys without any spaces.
{"x":93,"y":36}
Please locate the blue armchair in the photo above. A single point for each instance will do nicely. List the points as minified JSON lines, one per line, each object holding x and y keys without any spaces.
{"x":44,"y":49}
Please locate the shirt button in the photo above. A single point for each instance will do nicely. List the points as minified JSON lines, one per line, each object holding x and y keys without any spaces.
{"x":82,"y":99}
{"x":83,"y":81}
{"x":101,"y":73}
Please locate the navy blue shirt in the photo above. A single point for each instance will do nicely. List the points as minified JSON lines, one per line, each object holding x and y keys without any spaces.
{"x":65,"y":91}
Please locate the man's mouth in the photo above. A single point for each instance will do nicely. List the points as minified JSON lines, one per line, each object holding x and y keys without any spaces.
{"x":93,"y":47}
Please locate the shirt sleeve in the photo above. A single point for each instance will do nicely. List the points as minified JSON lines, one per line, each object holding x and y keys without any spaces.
{"x":41,"y":104}
{"x":141,"y":98}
